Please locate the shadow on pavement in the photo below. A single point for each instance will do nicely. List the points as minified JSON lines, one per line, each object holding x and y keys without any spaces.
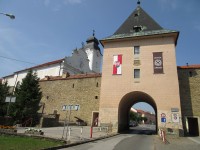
{"x":133,"y":130}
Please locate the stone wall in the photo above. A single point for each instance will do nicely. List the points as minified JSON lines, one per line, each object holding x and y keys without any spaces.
{"x":82,"y":90}
{"x":189,"y":81}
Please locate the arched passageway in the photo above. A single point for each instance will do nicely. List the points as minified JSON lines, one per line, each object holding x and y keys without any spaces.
{"x":127,"y":102}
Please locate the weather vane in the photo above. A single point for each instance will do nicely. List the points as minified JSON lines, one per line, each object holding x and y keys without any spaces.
{"x":138,"y":2}
{"x":93,"y":33}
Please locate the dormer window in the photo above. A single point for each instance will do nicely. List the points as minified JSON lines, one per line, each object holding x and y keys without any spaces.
{"x":137,"y":28}
{"x":136,"y":15}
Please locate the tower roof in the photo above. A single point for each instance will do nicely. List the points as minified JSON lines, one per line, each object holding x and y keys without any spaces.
{"x":140,"y":24}
{"x":138,"y":19}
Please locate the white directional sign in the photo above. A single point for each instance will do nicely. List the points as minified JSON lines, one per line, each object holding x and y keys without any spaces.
{"x":10,"y":99}
{"x":70,"y":107}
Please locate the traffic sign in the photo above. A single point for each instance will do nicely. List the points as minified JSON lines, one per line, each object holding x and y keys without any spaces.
{"x":175,"y":117}
{"x":163,"y":115}
{"x":163,"y":119}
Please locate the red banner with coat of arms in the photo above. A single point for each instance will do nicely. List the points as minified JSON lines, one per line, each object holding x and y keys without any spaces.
{"x":117,"y":64}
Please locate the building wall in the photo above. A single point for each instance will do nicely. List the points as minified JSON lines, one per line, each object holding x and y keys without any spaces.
{"x":50,"y":70}
{"x":95,"y":58}
{"x":78,"y":61}
{"x":84,"y":91}
{"x":189,"y":82}
{"x":163,"y":88}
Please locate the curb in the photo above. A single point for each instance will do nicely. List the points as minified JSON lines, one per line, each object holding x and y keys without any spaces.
{"x":80,"y":142}
{"x":194,"y":140}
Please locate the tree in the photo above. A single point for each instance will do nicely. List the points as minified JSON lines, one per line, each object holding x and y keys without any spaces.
{"x":4,"y":91}
{"x":28,"y":96}
{"x":144,"y":118}
{"x":133,"y":116}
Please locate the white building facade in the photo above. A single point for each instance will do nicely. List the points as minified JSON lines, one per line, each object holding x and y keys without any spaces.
{"x":83,"y":60}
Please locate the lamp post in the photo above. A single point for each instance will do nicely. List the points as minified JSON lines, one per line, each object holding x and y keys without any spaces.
{"x":8,"y":15}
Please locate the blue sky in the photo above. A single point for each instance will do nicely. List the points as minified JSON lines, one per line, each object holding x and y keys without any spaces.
{"x":144,"y":106}
{"x":47,"y":30}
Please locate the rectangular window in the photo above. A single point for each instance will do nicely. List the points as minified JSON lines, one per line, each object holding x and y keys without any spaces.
{"x":136,"y":73}
{"x":136,"y":50}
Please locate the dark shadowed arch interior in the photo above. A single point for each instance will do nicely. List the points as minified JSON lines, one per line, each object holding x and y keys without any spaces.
{"x":127,"y":102}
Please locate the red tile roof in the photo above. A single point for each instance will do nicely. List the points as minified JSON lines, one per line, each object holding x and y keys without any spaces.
{"x":77,"y":76}
{"x":43,"y":65}
{"x":196,"y":66}
{"x":140,"y":111}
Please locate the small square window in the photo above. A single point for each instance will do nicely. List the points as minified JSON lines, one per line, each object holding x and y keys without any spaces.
{"x":136,"y":50}
{"x":136,"y":73}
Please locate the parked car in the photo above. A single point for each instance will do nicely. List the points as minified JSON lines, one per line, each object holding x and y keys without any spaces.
{"x":133,"y":124}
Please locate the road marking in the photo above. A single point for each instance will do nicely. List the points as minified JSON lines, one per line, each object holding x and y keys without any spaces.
{"x":194,"y":140}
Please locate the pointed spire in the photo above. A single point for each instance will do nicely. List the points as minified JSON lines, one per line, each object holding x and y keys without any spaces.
{"x":92,"y":38}
{"x":138,"y":21}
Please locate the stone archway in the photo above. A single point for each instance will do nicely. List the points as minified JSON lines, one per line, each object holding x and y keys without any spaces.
{"x":127,"y":102}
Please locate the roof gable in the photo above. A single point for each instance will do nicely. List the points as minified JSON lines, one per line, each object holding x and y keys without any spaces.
{"x":138,"y":18}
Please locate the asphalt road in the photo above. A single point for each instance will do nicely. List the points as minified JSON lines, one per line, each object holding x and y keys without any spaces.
{"x":138,"y":138}
{"x":120,"y":142}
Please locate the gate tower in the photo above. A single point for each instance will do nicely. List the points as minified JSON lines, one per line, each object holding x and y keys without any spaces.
{"x":139,"y":65}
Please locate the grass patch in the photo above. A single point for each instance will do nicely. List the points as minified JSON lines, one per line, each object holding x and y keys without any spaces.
{"x":8,"y":142}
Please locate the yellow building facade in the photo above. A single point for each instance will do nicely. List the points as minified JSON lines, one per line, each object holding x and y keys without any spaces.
{"x":139,"y":65}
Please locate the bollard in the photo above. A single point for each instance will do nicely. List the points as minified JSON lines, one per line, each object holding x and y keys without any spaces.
{"x":164,"y":138}
{"x":69,"y":133}
{"x":81,"y":133}
{"x":91,"y":130}
{"x":159,"y":131}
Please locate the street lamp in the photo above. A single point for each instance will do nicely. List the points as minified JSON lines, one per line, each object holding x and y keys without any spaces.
{"x":9,"y":15}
